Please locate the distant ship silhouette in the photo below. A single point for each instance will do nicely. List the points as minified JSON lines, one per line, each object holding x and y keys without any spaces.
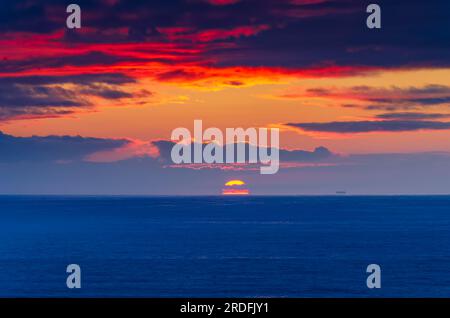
{"x":341,"y":192}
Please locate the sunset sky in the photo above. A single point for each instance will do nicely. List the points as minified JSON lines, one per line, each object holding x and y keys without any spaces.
{"x":91,"y":110}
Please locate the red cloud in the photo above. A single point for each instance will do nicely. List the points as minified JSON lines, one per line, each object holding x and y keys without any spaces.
{"x":174,"y":61}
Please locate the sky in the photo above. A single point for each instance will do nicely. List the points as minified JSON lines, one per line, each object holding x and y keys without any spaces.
{"x":91,"y":110}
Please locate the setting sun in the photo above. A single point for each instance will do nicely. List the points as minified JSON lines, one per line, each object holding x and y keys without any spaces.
{"x":234,"y":183}
{"x":235,"y":187}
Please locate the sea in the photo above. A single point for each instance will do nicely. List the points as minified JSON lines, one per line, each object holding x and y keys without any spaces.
{"x":217,"y":246}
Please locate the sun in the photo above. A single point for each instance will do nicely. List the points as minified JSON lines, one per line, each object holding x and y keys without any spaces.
{"x":234,"y":183}
{"x":235,"y":187}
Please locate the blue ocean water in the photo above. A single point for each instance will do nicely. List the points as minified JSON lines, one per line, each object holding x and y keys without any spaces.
{"x":305,"y":246}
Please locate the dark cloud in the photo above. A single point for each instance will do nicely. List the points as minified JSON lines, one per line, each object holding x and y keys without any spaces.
{"x":161,"y":12}
{"x":318,"y":154}
{"x":53,"y":148}
{"x":411,"y":36}
{"x":412,"y":116}
{"x":17,"y":96}
{"x":406,"y":102}
{"x":178,"y":75}
{"x":46,"y":96}
{"x":7,"y":113}
{"x":377,"y":98}
{"x":105,"y":92}
{"x":371,"y":126}
{"x":299,"y":33}
{"x":80,"y":79}
{"x":86,"y":59}
{"x":76,"y":148}
{"x":413,"y":173}
{"x":38,"y":165}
